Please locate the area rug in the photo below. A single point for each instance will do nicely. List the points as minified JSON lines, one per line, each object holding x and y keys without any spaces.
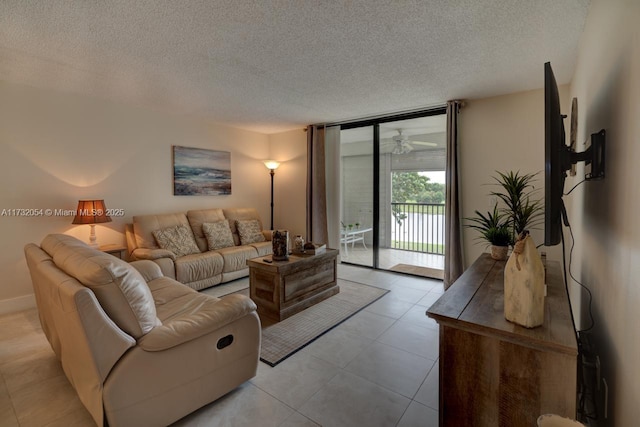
{"x":431,"y":273}
{"x":283,"y":339}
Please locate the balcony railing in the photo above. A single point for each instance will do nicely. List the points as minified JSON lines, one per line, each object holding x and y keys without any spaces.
{"x":418,"y":227}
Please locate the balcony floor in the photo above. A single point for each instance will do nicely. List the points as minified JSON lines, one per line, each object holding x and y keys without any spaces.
{"x":389,"y":258}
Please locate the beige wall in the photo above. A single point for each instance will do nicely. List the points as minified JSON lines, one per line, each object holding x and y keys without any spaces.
{"x":605,"y":214}
{"x":57,"y":149}
{"x":503,"y":133}
{"x":290,"y":190}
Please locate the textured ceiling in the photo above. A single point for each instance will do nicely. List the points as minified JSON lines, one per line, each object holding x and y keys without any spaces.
{"x":271,"y":66}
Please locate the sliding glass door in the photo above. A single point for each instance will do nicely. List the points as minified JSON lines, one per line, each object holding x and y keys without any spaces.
{"x":393,"y":192}
{"x":412,"y":200}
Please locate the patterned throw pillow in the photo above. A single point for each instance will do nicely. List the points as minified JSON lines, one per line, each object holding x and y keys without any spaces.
{"x":178,"y":239}
{"x":249,"y":231}
{"x":218,"y":234}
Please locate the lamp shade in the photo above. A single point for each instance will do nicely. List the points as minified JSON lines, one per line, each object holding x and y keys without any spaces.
{"x":91,"y":212}
{"x":271,"y":164}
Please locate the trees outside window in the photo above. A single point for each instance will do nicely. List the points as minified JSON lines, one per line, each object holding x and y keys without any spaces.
{"x":411,"y":187}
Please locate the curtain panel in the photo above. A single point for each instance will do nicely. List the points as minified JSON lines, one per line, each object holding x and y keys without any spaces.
{"x":332,"y":178}
{"x":453,"y":262}
{"x":316,"y":186}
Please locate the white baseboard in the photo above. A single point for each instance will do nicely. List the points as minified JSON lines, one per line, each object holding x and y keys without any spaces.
{"x":17,"y":304}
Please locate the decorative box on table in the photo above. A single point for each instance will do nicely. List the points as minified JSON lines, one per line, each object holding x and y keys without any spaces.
{"x":314,"y":248}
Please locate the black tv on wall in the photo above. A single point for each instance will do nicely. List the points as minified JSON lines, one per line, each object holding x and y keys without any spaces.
{"x":559,"y":157}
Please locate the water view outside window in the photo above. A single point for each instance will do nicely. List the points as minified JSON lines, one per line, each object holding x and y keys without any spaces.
{"x":417,"y":209}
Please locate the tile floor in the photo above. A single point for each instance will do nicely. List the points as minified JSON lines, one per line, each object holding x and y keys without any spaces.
{"x":379,"y":368}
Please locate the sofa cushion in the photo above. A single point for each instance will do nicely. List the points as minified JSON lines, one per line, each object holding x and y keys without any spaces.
{"x":187,"y":314}
{"x":235,"y":258}
{"x":263,"y":248}
{"x":198,"y":217}
{"x":120,"y":288}
{"x":200,"y":266}
{"x":249,"y":231}
{"x":218,"y":234}
{"x":196,"y":316}
{"x":178,"y":239}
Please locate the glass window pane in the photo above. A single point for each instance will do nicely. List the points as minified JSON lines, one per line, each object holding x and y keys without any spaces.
{"x":356,"y":152}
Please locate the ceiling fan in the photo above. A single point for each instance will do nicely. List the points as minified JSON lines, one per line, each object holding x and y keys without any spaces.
{"x":403,"y":145}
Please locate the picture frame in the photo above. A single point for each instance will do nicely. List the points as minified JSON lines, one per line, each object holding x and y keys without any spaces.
{"x":201,"y":172}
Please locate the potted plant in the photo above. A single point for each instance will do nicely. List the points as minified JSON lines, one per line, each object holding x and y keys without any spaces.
{"x":524,"y":272}
{"x":494,"y":229}
{"x":522,"y":209}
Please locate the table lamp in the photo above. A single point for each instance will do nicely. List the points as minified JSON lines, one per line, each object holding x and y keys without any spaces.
{"x":91,"y":212}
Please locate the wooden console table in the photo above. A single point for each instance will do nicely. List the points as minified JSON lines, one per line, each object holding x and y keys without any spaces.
{"x":496,"y":373}
{"x":281,"y":289}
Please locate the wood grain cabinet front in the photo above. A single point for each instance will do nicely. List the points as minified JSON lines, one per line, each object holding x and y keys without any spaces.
{"x":281,"y":289}
{"x":496,"y":373}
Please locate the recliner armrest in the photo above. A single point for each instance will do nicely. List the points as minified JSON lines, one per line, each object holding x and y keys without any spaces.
{"x":209,"y":314}
{"x":149,"y":269}
{"x":151,"y":254}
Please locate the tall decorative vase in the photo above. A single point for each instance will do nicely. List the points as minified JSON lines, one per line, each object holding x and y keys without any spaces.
{"x":280,"y":242}
{"x":524,"y":284}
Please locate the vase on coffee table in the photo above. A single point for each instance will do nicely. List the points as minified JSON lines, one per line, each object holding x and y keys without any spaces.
{"x":280,"y":245}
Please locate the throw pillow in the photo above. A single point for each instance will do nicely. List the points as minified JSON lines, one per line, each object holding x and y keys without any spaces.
{"x":178,"y":239}
{"x":218,"y":234}
{"x":249,"y":231}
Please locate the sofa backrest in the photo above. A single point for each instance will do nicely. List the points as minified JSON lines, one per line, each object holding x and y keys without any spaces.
{"x":86,"y":341}
{"x":198,"y":217}
{"x":120,"y":288}
{"x":145,"y":225}
{"x":234,"y":214}
{"x":43,"y":269}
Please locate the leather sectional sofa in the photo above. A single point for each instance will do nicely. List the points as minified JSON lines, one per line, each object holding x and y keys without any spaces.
{"x":139,"y":348}
{"x":204,"y":267}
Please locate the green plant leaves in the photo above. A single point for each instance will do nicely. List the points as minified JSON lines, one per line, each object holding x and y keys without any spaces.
{"x":521,"y":208}
{"x":492,"y":227}
{"x":518,"y":194}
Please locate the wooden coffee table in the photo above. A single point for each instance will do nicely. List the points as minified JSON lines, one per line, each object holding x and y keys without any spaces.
{"x":281,"y":289}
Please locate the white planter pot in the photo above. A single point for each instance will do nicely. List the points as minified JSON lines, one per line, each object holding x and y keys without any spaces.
{"x":499,"y":252}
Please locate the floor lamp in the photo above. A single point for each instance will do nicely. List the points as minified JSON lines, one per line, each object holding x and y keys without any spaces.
{"x":272,"y":165}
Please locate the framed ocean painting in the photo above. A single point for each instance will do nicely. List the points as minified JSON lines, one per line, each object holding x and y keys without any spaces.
{"x":201,"y":172}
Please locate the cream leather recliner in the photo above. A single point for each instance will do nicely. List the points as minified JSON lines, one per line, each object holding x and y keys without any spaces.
{"x":139,"y":348}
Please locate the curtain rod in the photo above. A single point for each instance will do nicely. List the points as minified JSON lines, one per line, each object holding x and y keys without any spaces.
{"x":382,"y":118}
